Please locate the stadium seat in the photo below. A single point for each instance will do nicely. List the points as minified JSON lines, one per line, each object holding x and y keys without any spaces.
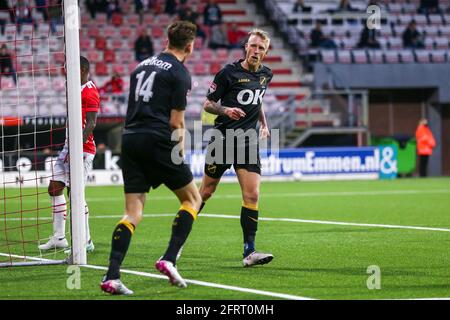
{"x":43,"y":30}
{"x":109,"y":56}
{"x":376,"y":56}
{"x":157,"y":32}
{"x":132,"y":66}
{"x":26,"y":32}
{"x":100,"y":43}
{"x":406,"y":56}
{"x":391,"y":56}
{"x":200,"y":69}
{"x":215,"y":68}
{"x":126,"y":56}
{"x":395,"y":43}
{"x":109,"y":32}
{"x":429,"y":43}
{"x":93,"y":32}
{"x":435,"y":19}
{"x":207,"y":55}
{"x":423,"y":56}
{"x":328,"y":56}
{"x":10,"y":32}
{"x":198,"y":43}
{"x":360,"y":56}
{"x":85,"y":44}
{"x":344,"y":56}
{"x":126,"y":32}
{"x":441,"y":43}
{"x":119,"y":68}
{"x":439,"y":56}
{"x":94,"y":56}
{"x":222,"y":55}
{"x":101,"y":19}
{"x":101,"y":69}
{"x":117,"y":19}
{"x":132,"y":20}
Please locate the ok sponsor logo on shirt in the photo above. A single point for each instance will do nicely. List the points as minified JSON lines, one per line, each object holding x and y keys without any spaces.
{"x":247,"y":97}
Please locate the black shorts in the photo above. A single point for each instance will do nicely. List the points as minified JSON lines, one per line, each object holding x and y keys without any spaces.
{"x":147,"y":163}
{"x":244,"y":157}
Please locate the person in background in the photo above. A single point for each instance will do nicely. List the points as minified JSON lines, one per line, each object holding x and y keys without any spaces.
{"x":300,"y":6}
{"x":368,"y":38}
{"x":212,"y":14}
{"x":425,"y":145}
{"x":411,"y":37}
{"x":318,"y":39}
{"x":6,"y":63}
{"x":236,"y":37}
{"x":143,"y":47}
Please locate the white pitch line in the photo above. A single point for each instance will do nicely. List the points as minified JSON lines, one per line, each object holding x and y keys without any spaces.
{"x":210,"y":284}
{"x":276,"y":195}
{"x":224,"y":216}
{"x":197,"y":282}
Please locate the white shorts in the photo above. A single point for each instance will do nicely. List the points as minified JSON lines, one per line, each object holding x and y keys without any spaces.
{"x":61,"y":169}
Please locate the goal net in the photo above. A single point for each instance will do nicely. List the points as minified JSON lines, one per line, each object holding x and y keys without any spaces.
{"x":39,"y":102}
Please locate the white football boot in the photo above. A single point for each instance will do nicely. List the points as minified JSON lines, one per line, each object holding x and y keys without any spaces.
{"x":115,"y":287}
{"x":54,"y":243}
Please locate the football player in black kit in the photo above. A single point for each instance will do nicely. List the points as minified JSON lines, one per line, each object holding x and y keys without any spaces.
{"x":240,"y":87}
{"x":157,"y":100}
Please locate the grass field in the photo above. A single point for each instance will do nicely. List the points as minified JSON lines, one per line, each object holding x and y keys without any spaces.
{"x":324,"y":236}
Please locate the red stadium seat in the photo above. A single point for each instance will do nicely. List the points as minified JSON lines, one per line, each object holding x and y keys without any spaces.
{"x":215,"y":68}
{"x":94,"y":56}
{"x":85,"y":44}
{"x":207,"y":55}
{"x":200,"y":69}
{"x":119,"y":68}
{"x":157,"y":32}
{"x":101,"y":69}
{"x":100,"y":43}
{"x":109,"y":56}
{"x":126,"y":56}
{"x":126,"y":32}
{"x":222,"y":55}
{"x":117,"y":19}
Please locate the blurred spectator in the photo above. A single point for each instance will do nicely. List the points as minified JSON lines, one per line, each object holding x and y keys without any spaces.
{"x":411,"y":37}
{"x":318,"y":39}
{"x":22,"y":12}
{"x":186,"y":13}
{"x":429,"y":7}
{"x":6,"y":63}
{"x":425,"y":145}
{"x":236,"y":37}
{"x":171,"y":7}
{"x":113,"y":7}
{"x":142,"y":6}
{"x":345,"y":6}
{"x":55,"y":14}
{"x":115,"y":89}
{"x":143,"y":47}
{"x":5,"y":16}
{"x":114,"y":85}
{"x":300,"y":6}
{"x":368,"y":38}
{"x":218,"y":37}
{"x":212,"y":14}
{"x":95,"y":6}
{"x":41,"y":6}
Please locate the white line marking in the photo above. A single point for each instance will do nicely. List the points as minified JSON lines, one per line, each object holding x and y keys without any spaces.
{"x":223,"y":216}
{"x":197,"y":282}
{"x":45,"y":199}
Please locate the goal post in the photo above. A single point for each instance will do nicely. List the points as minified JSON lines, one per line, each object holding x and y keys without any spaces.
{"x":77,"y":214}
{"x":40,"y":100}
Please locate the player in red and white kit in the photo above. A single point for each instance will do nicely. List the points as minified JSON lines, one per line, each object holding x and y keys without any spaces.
{"x":90,"y":103}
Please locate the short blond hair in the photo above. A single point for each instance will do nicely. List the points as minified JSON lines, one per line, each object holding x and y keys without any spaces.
{"x":262,"y":34}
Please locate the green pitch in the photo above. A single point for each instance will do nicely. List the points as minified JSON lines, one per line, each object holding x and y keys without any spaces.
{"x":324,"y":236}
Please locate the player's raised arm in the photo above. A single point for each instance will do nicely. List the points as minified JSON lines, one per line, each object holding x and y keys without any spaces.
{"x":216,"y":108}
